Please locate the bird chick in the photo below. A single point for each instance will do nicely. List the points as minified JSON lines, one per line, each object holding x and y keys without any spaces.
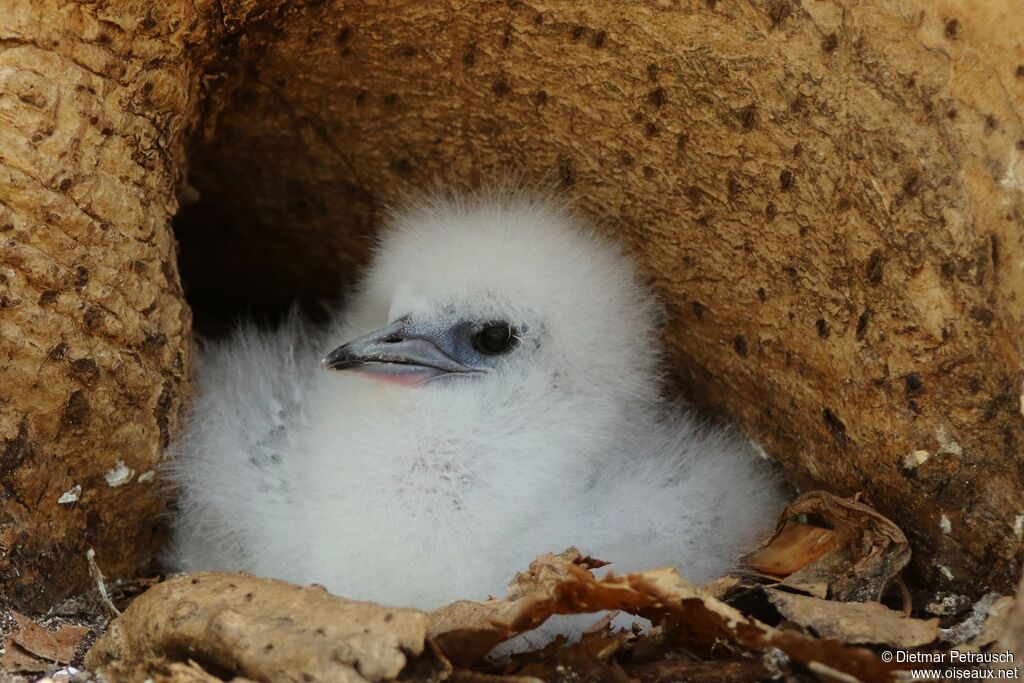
{"x":497,"y":397}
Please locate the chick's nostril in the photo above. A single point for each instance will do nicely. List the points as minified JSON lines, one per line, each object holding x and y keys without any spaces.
{"x":393,"y":339}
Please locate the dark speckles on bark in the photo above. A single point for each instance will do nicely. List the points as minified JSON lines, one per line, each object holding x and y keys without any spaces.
{"x":566,"y":173}
{"x":14,"y":453}
{"x":952,"y":28}
{"x":875,"y":267}
{"x":733,"y":188}
{"x":747,"y":117}
{"x":699,"y":310}
{"x":911,"y":185}
{"x":76,"y":409}
{"x":58,"y":352}
{"x":778,"y":11}
{"x":402,"y":167}
{"x":162,"y":413}
{"x":862,"y":324}
{"x":657,"y":97}
{"x":983,"y":315}
{"x":822,"y":327}
{"x":786,"y":180}
{"x":835,"y":426}
{"x":85,"y":370}
{"x":739,"y":344}
{"x":501,"y":88}
{"x":912,"y":385}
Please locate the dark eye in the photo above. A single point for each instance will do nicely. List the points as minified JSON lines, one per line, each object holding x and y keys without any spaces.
{"x":494,"y":338}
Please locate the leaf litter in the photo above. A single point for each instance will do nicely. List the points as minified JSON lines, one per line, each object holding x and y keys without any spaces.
{"x":820,"y":600}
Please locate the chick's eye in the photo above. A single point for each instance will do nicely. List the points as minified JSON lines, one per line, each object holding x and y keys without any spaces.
{"x":494,"y":338}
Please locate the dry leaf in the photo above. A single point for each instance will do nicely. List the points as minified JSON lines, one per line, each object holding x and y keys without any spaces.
{"x":550,"y":567}
{"x":792,"y":548}
{"x":16,"y":660}
{"x":855,"y":623}
{"x":57,"y":646}
{"x":32,"y":648}
{"x":466,"y":632}
{"x":863,"y":553}
{"x":259,"y":628}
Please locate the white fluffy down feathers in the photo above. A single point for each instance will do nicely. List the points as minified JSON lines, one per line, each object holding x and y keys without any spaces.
{"x":418,"y":494}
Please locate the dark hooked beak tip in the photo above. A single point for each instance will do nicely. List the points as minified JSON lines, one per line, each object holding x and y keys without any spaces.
{"x":339,"y":360}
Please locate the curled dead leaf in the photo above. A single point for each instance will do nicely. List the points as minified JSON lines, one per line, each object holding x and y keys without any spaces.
{"x":832,"y":547}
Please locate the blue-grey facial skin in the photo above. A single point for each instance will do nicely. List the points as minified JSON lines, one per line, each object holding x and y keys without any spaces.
{"x":409,"y":351}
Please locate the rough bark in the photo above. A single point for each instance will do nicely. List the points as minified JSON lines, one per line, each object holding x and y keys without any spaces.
{"x":827,"y":194}
{"x":94,"y":98}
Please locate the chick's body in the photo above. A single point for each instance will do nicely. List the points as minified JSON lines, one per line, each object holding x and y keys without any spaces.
{"x":500,"y":400}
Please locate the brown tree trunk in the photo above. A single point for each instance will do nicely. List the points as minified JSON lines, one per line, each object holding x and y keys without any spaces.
{"x":830,"y":196}
{"x":94,"y":332}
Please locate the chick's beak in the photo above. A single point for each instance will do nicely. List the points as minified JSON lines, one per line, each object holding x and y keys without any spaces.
{"x":401,"y":352}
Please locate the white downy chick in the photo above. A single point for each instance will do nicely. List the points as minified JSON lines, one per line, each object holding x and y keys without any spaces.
{"x":500,"y":400}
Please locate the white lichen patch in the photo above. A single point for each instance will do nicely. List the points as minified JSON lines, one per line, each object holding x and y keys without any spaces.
{"x":70,"y":496}
{"x":1018,"y":527}
{"x":146,"y":476}
{"x":945,"y":524}
{"x":945,"y":572}
{"x":1011,"y":180}
{"x":118,"y":474}
{"x":915,"y":459}
{"x":947,"y":444}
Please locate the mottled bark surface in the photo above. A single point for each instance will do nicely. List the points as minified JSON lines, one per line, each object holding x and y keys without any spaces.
{"x":94,"y":332}
{"x":828,"y":195}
